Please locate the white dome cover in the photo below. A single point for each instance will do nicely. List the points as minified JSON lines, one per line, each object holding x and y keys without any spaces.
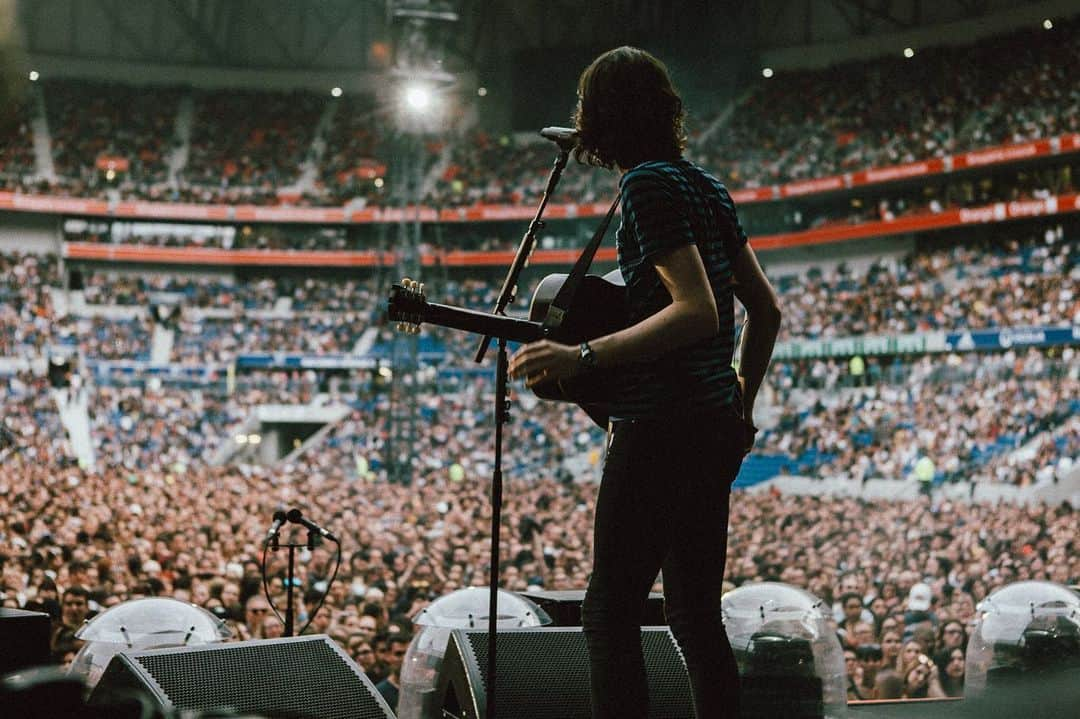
{"x":464,"y":609}
{"x":998,"y":641}
{"x":771,"y":609}
{"x":151,"y":623}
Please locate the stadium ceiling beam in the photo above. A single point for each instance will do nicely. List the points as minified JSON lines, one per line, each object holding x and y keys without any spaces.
{"x":263,"y":18}
{"x":330,"y":27}
{"x":881,"y":10}
{"x":974,"y":8}
{"x":118,"y":17}
{"x":195,"y":30}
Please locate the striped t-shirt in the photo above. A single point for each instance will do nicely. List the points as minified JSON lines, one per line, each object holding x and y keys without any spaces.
{"x":666,"y":205}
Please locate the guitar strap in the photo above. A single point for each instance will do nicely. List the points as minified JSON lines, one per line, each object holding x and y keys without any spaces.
{"x":565,"y":297}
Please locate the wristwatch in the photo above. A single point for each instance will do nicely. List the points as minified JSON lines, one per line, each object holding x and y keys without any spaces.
{"x":588,"y":357}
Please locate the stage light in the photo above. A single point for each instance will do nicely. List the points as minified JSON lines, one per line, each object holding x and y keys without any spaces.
{"x":767,"y":72}
{"x":335,"y":92}
{"x":379,"y":182}
{"x":34,"y":73}
{"x":909,"y":53}
{"x":482,"y":92}
{"x":1048,"y":24}
{"x":418,"y":97}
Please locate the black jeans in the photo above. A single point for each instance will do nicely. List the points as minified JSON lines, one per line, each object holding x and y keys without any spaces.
{"x":663,"y":503}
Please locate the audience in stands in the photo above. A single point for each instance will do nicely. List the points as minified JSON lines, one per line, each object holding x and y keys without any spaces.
{"x":794,"y":126}
{"x":966,"y":414}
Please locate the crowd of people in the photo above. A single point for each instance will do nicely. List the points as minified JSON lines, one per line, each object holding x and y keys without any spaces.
{"x":942,"y":101}
{"x":1011,"y":279}
{"x":904,"y":577}
{"x":794,"y":126}
{"x":96,"y":127}
{"x":231,"y":146}
{"x":966,"y":414}
{"x":154,"y":516}
{"x":16,"y":144}
{"x":26,"y":311}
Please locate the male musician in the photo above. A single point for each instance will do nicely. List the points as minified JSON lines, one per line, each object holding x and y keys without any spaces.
{"x":678,"y":430}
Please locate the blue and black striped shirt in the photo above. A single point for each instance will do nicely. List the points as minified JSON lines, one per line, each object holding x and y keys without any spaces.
{"x":666,"y":205}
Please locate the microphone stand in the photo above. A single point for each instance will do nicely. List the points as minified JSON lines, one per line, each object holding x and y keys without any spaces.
{"x":502,"y":411}
{"x":290,"y":611}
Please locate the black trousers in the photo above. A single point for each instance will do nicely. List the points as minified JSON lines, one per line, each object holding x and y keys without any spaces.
{"x":663,"y":504}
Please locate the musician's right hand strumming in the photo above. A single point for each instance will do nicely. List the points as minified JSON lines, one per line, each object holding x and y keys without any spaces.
{"x":545,"y":361}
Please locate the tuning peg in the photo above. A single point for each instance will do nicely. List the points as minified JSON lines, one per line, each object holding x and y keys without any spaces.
{"x":405,"y":282}
{"x":420,"y":288}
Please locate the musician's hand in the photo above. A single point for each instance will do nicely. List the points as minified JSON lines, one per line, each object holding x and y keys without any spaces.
{"x":543,"y":361}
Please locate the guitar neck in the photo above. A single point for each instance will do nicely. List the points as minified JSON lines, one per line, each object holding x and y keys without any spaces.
{"x":482,"y":323}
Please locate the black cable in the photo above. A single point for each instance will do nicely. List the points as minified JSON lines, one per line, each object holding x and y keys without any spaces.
{"x":266,"y":587}
{"x":326,"y":593}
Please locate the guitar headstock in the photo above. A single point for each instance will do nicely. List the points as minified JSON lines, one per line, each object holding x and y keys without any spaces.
{"x":407,"y":305}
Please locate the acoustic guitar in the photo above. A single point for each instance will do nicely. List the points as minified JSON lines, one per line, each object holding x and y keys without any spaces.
{"x":599,"y":308}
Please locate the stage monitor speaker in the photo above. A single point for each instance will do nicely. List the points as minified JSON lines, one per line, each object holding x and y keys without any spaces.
{"x":564,"y":607}
{"x":294,"y":677}
{"x":24,"y":639}
{"x":543,"y":673}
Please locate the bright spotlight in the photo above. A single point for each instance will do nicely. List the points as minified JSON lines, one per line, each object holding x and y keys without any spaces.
{"x":482,"y":92}
{"x":767,"y":72}
{"x":335,"y":92}
{"x":1048,"y":24}
{"x":34,"y":73}
{"x":909,"y":53}
{"x":379,"y":182}
{"x":418,"y":97}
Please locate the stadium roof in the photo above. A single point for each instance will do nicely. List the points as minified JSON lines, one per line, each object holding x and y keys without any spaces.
{"x":345,"y":34}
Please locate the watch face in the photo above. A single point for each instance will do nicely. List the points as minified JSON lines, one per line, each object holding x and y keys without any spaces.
{"x":587,"y":357}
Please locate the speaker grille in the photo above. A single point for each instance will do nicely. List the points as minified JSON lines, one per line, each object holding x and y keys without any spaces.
{"x":543,"y":674}
{"x":282,"y":678}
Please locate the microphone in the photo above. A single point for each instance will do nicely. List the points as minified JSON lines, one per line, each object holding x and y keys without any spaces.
{"x":565,"y":137}
{"x":296,"y":517}
{"x":279,"y":522}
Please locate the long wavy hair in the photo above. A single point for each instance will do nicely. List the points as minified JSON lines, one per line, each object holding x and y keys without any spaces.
{"x":628,"y":111}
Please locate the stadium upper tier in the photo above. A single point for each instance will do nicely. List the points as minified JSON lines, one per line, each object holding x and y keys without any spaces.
{"x":1011,"y":279}
{"x":270,"y":148}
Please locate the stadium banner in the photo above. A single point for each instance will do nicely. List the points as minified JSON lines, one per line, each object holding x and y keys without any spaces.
{"x":997,"y":212}
{"x":107,"y":252}
{"x":307,"y":215}
{"x":205,"y":372}
{"x":929,"y":342}
{"x":284,"y":360}
{"x":52,"y":205}
{"x":1009,"y":337}
{"x":172,"y":211}
{"x":912,"y":343}
{"x":480,"y":213}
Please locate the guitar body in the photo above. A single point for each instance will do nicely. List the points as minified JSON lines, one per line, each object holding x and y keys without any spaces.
{"x":599,"y":308}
